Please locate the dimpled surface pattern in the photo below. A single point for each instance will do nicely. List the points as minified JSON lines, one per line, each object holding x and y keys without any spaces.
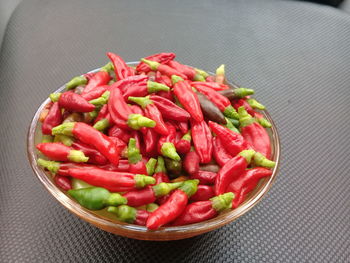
{"x":295,"y":55}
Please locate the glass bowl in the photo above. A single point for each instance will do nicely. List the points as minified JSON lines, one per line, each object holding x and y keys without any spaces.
{"x":110,"y":224}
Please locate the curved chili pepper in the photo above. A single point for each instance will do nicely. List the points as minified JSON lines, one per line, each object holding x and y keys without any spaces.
{"x":60,"y":152}
{"x":204,"y":210}
{"x":183,"y":146}
{"x":150,"y":139}
{"x":163,"y":79}
{"x":232,"y":141}
{"x":145,"y":89}
{"x":150,"y":194}
{"x":152,"y":112}
{"x":90,"y":136}
{"x":173,"y":207}
{"x":186,"y":70}
{"x":161,"y":58}
{"x":202,"y":140}
{"x":76,"y":81}
{"x":246,"y":183}
{"x":232,"y":170}
{"x":60,"y":168}
{"x":212,"y":85}
{"x":120,"y":68}
{"x":204,"y":193}
{"x":123,"y":166}
{"x":191,"y":163}
{"x":95,"y":157}
{"x":96,"y":198}
{"x":130,"y":214}
{"x":254,"y":133}
{"x":111,"y":180}
{"x":238,"y":93}
{"x":220,"y":154}
{"x":163,"y":69}
{"x":122,"y":134}
{"x":169,"y":109}
{"x":95,"y":93}
{"x":166,"y":145}
{"x":99,"y":79}
{"x":220,"y":74}
{"x":204,"y":177}
{"x":53,"y":118}
{"x":210,"y":111}
{"x":72,"y":102}
{"x":62,"y":182}
{"x":187,"y":97}
{"x":219,"y":100}
{"x":137,"y":166}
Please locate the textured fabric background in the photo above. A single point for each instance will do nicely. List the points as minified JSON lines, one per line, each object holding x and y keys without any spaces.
{"x":295,"y":55}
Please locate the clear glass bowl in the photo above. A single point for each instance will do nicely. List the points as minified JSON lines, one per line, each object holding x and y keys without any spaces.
{"x":110,"y":224}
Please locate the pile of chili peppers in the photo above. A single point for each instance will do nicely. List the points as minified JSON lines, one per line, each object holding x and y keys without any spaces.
{"x":159,"y":144}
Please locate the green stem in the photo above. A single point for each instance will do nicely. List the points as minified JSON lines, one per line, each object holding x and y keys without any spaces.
{"x":187,"y":136}
{"x":168,"y":150}
{"x":47,"y":138}
{"x":124,"y":213}
{"x":151,"y":165}
{"x":202,"y":72}
{"x":255,"y":104}
{"x":247,"y":154}
{"x":160,"y":168}
{"x":100,"y":101}
{"x":220,"y":70}
{"x":245,"y":118}
{"x":261,"y":160}
{"x":163,"y":189}
{"x":54,"y":97}
{"x":66,"y":140}
{"x":176,"y":79}
{"x":263,"y":122}
{"x":76,"y":81}
{"x":77,"y":156}
{"x":152,"y":207}
{"x":52,"y":166}
{"x":230,"y":112}
{"x":189,"y":187}
{"x":65,"y":129}
{"x":134,"y":155}
{"x":102,"y":124}
{"x":155,"y":87}
{"x":242,"y":92}
{"x":142,"y":101}
{"x":137,"y":121}
{"x":222,"y":202}
{"x":199,"y":77}
{"x":142,"y":180}
{"x":231,"y":126}
{"x":153,"y":64}
{"x":108,"y":67}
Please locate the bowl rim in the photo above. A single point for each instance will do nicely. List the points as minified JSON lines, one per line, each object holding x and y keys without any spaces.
{"x":135,"y":230}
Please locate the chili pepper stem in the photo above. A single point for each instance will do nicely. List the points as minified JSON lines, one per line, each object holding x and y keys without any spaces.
{"x":155,"y":87}
{"x":115,"y":199}
{"x":247,"y":154}
{"x":263,"y":122}
{"x":54,"y":97}
{"x":66,"y":140}
{"x":150,"y":166}
{"x":187,"y":136}
{"x":47,"y":138}
{"x":76,"y":81}
{"x":152,"y":64}
{"x":102,"y":125}
{"x":199,"y":77}
{"x":77,"y":156}
{"x":242,"y":92}
{"x":255,"y":104}
{"x":134,"y":155}
{"x":152,"y":207}
{"x":175,"y":79}
{"x":163,"y":189}
{"x":143,"y":180}
{"x":261,"y":160}
{"x":202,"y":72}
{"x":245,"y":118}
{"x":52,"y":166}
{"x":230,"y":112}
{"x":108,"y":67}
{"x":189,"y":187}
{"x":160,"y":168}
{"x":137,"y":121}
{"x":65,"y":129}
{"x":222,"y":202}
{"x":142,"y":101}
{"x":168,"y":150}
{"x":124,"y":213}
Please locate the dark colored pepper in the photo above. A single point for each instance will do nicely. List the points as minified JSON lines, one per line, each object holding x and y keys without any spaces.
{"x":95,"y":157}
{"x":205,"y":177}
{"x":90,"y":136}
{"x":204,"y":193}
{"x":99,"y":79}
{"x":220,"y":154}
{"x":173,"y":167}
{"x":120,"y":68}
{"x":62,"y":182}
{"x":187,"y":97}
{"x":204,"y":210}
{"x":112,"y":181}
{"x":130,"y":214}
{"x":173,"y":207}
{"x":232,"y":170}
{"x":232,"y":141}
{"x":72,"y":102}
{"x":210,"y":111}
{"x":191,"y":163}
{"x":183,"y":146}
{"x":96,"y":198}
{"x":53,"y":118}
{"x":137,"y":166}
{"x":161,"y":58}
{"x":238,"y":93}
{"x":59,"y":152}
{"x":202,"y":140}
{"x":163,"y":69}
{"x":169,"y":109}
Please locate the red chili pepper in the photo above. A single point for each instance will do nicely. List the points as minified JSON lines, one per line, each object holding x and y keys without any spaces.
{"x":150,"y":139}
{"x":220,"y":154}
{"x":53,"y":118}
{"x":99,"y":79}
{"x":232,"y":141}
{"x":169,"y":109}
{"x":242,"y":102}
{"x":95,"y":157}
{"x":125,"y":84}
{"x":186,"y":70}
{"x":89,"y":75}
{"x":187,"y":98}
{"x":60,"y":152}
{"x":130,"y":214}
{"x":166,"y":145}
{"x":204,"y":210}
{"x":137,"y":166}
{"x":121,"y":70}
{"x":219,"y":100}
{"x":232,"y":170}
{"x":90,"y":136}
{"x":63,"y":182}
{"x":152,"y":112}
{"x":122,"y":134}
{"x":183,"y":146}
{"x":112,"y":181}
{"x":72,"y":102}
{"x":246,"y":183}
{"x":150,"y":194}
{"x":163,"y":79}
{"x":95,"y":93}
{"x":173,"y":207}
{"x":123,"y":166}
{"x":254,"y":133}
{"x":117,"y":106}
{"x":163,"y":69}
{"x":61,"y":168}
{"x":212,"y":85}
{"x":202,"y":140}
{"x":191,"y":163}
{"x":204,"y":193}
{"x":205,"y":177}
{"x":161,"y":58}
{"x":143,"y":89}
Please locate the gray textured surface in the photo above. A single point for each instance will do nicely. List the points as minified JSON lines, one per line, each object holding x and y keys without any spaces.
{"x":296,"y":57}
